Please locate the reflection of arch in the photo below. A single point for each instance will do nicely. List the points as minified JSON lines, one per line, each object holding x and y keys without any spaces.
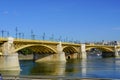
{"x":70,"y":49}
{"x":104,"y":49}
{"x":43,"y":47}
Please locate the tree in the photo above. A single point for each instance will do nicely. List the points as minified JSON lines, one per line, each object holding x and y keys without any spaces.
{"x":25,"y":51}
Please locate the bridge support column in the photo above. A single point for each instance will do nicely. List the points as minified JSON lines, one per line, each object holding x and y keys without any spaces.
{"x":9,"y":59}
{"x":83,"y":51}
{"x":61,"y":54}
{"x":9,"y":62}
{"x":116,"y":52}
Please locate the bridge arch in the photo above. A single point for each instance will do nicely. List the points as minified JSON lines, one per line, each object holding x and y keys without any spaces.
{"x":104,"y":49}
{"x":43,"y":48}
{"x":69,"y":49}
{"x":70,"y":52}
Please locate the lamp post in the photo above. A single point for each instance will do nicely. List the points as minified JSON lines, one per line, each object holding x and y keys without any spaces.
{"x":23,"y":35}
{"x":2,"y":33}
{"x":66,"y":39}
{"x":60,"y":38}
{"x":43,"y":36}
{"x":32,"y":35}
{"x":16,"y":30}
{"x":8,"y":34}
{"x":52,"y":37}
{"x":19,"y":35}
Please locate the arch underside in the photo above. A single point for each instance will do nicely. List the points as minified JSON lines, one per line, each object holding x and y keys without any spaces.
{"x":69,"y":50}
{"x":103,"y":49}
{"x":38,"y":48}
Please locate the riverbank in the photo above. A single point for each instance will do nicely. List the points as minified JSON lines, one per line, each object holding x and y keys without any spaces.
{"x":10,"y":77}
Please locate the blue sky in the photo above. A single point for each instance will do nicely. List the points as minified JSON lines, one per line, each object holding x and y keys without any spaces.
{"x":84,"y":20}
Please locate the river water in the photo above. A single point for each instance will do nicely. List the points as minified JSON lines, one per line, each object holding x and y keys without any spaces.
{"x":82,"y":68}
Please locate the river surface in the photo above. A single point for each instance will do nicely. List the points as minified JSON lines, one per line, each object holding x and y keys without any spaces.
{"x":89,"y":68}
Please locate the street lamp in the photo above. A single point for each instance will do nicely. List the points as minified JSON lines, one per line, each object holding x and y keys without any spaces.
{"x":8,"y":34}
{"x":52,"y":37}
{"x":19,"y":35}
{"x":23,"y":35}
{"x":60,"y":38}
{"x":43,"y":36}
{"x":16,"y":30}
{"x":66,"y":39}
{"x":32,"y":35}
{"x":2,"y":32}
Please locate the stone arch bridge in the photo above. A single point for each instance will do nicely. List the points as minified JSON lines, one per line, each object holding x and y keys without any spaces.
{"x":44,"y":47}
{"x":55,"y":51}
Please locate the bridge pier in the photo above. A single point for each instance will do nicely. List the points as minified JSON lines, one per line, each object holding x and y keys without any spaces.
{"x":83,"y":52}
{"x":9,"y":62}
{"x":9,"y":59}
{"x":116,"y":52}
{"x":61,"y":54}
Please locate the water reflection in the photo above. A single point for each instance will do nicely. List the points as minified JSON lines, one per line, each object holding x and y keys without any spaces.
{"x":15,"y":73}
{"x":84,"y":67}
{"x":91,"y":67}
{"x":94,"y":55}
{"x":72,"y":67}
{"x":48,"y":68}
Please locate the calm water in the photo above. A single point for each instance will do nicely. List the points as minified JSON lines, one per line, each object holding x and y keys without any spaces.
{"x":92,"y":67}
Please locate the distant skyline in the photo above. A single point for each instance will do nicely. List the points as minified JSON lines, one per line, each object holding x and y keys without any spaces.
{"x":83,"y":20}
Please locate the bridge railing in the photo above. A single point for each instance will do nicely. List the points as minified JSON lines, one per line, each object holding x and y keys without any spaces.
{"x":27,"y":37}
{"x":109,"y":44}
{"x":39,"y":39}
